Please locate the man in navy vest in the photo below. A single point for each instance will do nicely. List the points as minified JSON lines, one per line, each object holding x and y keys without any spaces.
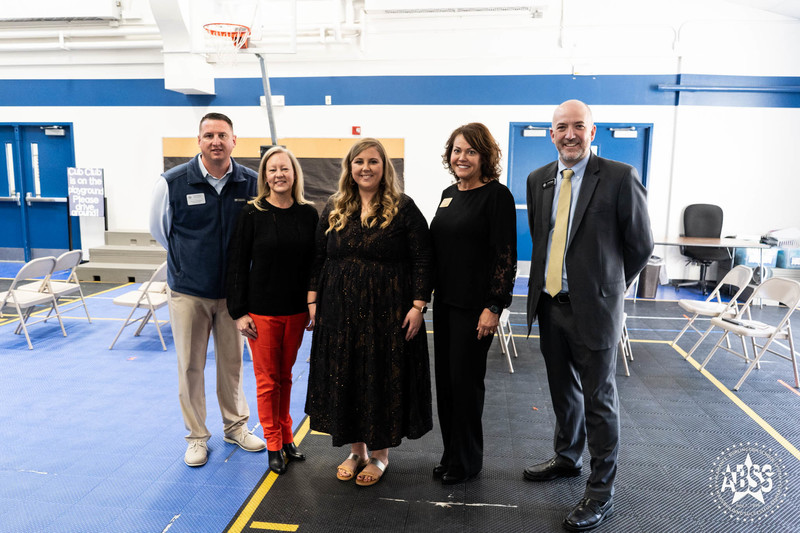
{"x":193,"y":214}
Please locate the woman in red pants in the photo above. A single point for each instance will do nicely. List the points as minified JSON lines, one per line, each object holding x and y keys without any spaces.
{"x":268,"y":273}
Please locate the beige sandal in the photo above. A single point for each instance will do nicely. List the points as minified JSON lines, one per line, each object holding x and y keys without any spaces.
{"x":374,"y":470}
{"x":348,"y":472}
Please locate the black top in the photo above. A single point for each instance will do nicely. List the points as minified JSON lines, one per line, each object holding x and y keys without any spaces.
{"x":475,"y":246}
{"x":270,"y":260}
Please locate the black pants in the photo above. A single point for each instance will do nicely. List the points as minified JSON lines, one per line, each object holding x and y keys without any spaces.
{"x":460,"y":370}
{"x":583,"y":389}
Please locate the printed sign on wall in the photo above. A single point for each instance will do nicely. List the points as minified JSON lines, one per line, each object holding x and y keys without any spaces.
{"x":85,"y":192}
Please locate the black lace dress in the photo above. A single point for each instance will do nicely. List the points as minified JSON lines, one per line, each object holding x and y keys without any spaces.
{"x":366,"y":382}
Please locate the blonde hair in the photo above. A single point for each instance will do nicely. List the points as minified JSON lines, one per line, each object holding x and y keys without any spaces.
{"x":347,"y":200}
{"x":263,"y":188}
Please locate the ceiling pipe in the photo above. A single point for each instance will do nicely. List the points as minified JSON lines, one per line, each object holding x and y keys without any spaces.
{"x":137,"y":31}
{"x":99,"y":45}
{"x":309,"y":39}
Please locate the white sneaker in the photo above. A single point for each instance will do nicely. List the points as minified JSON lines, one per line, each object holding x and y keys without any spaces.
{"x":245,"y":440}
{"x":196,"y":453}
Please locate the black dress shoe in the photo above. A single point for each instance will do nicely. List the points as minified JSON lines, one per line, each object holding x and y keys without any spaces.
{"x":439,"y":471}
{"x":454,"y":478}
{"x":551,"y":469}
{"x":588,"y":514}
{"x":276,"y":461}
{"x":292,"y":452}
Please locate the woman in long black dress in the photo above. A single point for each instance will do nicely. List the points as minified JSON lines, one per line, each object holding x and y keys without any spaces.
{"x":475,"y":253}
{"x":269,"y":267}
{"x":369,"y":380}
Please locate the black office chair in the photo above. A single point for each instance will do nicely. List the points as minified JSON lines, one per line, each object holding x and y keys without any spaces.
{"x":703,"y":220}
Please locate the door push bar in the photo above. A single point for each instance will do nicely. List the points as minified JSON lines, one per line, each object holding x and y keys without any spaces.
{"x":13,"y":198}
{"x":29,"y":198}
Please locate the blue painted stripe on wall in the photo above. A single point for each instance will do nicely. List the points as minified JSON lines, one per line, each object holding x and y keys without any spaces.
{"x":411,"y":90}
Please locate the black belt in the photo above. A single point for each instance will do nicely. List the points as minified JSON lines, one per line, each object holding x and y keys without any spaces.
{"x":560,"y":298}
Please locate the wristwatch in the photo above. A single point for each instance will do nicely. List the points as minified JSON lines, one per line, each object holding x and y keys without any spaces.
{"x":423,"y":309}
{"x":494,"y":309}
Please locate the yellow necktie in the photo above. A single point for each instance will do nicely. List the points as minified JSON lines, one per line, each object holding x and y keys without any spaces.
{"x":559,"y":242}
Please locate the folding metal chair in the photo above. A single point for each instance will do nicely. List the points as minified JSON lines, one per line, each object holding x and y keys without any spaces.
{"x":61,"y":289}
{"x":150,"y":296}
{"x":713,"y":306}
{"x":625,"y":345}
{"x":785,"y":291}
{"x":506,"y":338}
{"x":624,"y":339}
{"x":36,"y":293}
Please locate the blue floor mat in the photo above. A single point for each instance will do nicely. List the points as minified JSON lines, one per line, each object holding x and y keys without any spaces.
{"x":101,"y":447}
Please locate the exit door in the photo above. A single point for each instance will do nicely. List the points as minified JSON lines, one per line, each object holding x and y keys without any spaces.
{"x":33,"y":191}
{"x":530,"y":147}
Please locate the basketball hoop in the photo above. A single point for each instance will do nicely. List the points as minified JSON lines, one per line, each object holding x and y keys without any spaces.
{"x":237,"y":33}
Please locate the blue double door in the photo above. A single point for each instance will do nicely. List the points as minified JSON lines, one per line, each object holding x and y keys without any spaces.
{"x":33,"y":191}
{"x":530,"y":147}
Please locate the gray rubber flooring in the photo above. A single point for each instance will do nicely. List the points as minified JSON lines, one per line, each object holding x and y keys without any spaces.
{"x":679,"y":431}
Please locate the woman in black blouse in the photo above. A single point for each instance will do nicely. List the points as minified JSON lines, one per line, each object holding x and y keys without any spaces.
{"x":475,"y":256}
{"x":369,"y":382}
{"x":268,"y":272}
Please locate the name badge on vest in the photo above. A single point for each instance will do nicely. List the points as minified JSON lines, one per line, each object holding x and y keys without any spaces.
{"x":445,"y":202}
{"x":196,"y":199}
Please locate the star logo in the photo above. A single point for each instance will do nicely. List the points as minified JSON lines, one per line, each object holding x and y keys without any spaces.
{"x":748,"y":482}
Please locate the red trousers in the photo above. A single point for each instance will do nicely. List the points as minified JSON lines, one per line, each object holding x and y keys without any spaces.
{"x":274,"y":354}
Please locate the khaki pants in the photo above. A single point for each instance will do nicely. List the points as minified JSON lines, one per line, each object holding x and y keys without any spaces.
{"x":193,"y":319}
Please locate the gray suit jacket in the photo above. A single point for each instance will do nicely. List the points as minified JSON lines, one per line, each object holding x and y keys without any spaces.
{"x":609,"y":243}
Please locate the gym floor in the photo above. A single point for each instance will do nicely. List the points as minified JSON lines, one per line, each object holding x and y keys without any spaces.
{"x":93,"y":441}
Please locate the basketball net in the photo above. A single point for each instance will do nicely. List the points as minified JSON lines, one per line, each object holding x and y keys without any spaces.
{"x":225,"y":40}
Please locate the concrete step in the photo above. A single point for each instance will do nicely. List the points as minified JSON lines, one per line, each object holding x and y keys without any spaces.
{"x":112,"y":253}
{"x":116,"y":272}
{"x":130,"y":238}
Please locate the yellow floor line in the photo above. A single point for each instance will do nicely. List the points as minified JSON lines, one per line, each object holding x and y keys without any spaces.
{"x":788,"y":386}
{"x":261,"y":492}
{"x":63,"y":279}
{"x":69,"y":302}
{"x":161,"y":321}
{"x":740,"y":404}
{"x":301,"y":433}
{"x":272,"y":526}
{"x":109,"y":290}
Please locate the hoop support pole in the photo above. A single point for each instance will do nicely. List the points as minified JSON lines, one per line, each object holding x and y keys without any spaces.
{"x":268,"y":97}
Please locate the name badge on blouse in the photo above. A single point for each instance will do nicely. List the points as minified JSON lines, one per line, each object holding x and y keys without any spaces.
{"x":196,"y":199}
{"x":445,"y":202}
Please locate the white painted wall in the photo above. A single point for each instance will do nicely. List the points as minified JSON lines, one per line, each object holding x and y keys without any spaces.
{"x":724,"y":155}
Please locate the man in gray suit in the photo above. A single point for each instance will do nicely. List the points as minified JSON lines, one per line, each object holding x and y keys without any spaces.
{"x":591,"y":237}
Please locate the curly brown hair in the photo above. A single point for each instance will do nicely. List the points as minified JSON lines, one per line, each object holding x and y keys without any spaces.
{"x":478,"y":136}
